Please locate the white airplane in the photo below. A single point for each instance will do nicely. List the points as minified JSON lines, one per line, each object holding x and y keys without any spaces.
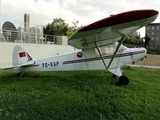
{"x":100,"y":47}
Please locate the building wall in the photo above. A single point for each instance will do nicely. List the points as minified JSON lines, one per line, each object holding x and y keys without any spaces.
{"x":153,"y":32}
{"x":37,"y":51}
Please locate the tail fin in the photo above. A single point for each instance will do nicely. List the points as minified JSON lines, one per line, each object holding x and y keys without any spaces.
{"x":21,"y":57}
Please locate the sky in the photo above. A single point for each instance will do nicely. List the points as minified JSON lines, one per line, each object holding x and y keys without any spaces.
{"x":86,"y":12}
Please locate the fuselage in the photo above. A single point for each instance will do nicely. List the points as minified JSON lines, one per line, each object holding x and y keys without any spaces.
{"x":88,"y":59}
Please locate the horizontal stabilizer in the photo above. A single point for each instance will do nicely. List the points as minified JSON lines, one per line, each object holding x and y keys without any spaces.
{"x":16,"y":66}
{"x":8,"y":67}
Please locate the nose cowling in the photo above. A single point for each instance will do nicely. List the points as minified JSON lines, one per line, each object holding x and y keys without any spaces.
{"x":138,"y":54}
{"x":145,"y":55}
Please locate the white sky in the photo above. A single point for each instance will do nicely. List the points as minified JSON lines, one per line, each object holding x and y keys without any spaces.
{"x":43,"y":12}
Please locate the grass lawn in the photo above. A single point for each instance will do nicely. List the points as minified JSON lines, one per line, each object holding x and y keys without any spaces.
{"x":80,"y":95}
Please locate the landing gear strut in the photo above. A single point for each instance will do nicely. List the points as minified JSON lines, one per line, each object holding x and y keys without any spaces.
{"x":20,"y":73}
{"x":123,"y":80}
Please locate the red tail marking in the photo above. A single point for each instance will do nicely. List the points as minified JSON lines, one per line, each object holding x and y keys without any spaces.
{"x":29,"y":57}
{"x":22,"y":54}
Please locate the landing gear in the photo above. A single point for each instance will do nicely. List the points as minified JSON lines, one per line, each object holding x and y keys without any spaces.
{"x":20,"y":73}
{"x":114,"y":76}
{"x":123,"y":80}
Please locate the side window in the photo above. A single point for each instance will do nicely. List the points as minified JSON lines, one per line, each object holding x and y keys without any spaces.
{"x":105,"y":50}
{"x":109,"y":49}
{"x":96,"y":51}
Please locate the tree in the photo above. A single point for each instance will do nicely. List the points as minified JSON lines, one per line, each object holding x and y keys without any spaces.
{"x":134,"y":41}
{"x":73,"y":29}
{"x":57,"y":27}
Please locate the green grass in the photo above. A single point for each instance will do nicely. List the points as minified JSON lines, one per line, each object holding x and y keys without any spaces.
{"x":79,"y":95}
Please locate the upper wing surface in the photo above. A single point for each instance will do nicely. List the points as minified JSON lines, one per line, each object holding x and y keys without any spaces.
{"x":111,"y":29}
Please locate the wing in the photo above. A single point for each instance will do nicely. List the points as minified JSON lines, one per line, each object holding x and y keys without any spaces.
{"x":111,"y":29}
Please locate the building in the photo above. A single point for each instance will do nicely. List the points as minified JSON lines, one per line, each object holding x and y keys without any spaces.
{"x":26,"y":22}
{"x":152,"y":35}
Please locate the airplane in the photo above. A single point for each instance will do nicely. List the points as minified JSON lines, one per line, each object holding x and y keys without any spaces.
{"x":99,"y":47}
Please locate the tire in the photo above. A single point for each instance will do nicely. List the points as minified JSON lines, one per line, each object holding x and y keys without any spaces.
{"x":123,"y":80}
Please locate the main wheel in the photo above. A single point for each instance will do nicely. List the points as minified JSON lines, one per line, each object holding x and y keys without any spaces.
{"x":123,"y":80}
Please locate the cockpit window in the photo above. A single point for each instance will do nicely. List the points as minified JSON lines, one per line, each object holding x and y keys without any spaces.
{"x":109,"y":49}
{"x":122,"y":47}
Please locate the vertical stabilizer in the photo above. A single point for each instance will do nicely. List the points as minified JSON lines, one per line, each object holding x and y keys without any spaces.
{"x":20,"y":56}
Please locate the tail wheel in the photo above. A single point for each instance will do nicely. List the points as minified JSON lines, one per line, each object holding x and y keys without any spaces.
{"x":19,"y":74}
{"x":123,"y":80}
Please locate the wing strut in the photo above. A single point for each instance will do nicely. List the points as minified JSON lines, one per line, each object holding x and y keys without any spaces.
{"x":120,"y":42}
{"x":101,"y":55}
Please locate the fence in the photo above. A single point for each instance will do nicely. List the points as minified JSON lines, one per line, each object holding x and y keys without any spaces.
{"x":32,"y":35}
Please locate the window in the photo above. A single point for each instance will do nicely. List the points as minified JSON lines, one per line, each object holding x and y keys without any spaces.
{"x":152,"y":27}
{"x":157,"y":38}
{"x":109,"y":49}
{"x":152,"y":38}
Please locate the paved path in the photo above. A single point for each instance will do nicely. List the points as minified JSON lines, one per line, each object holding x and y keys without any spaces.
{"x":144,"y":66}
